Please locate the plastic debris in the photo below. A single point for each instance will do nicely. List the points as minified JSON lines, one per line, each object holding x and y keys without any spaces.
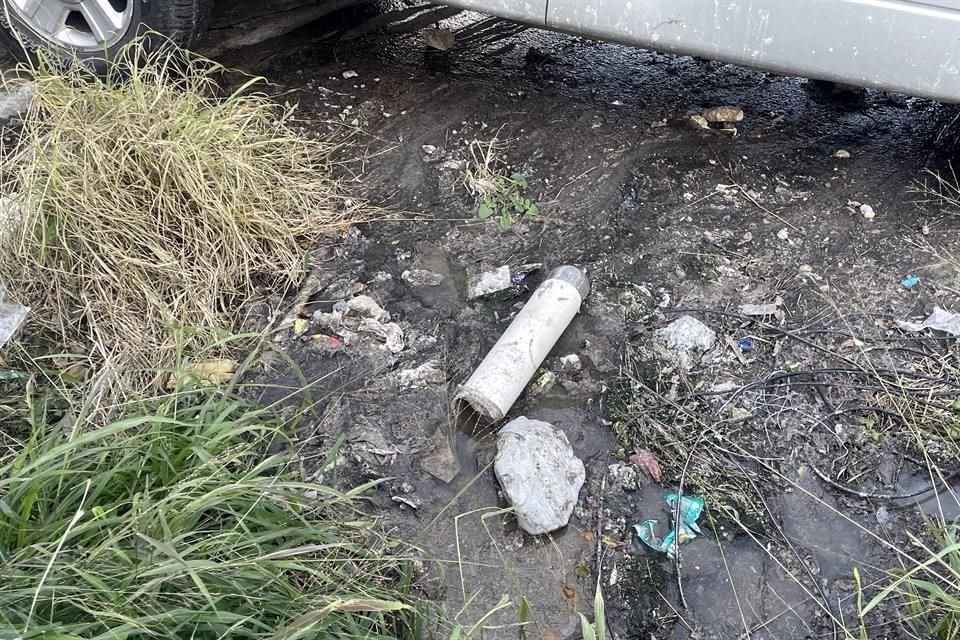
{"x":939,"y":320}
{"x":746,"y":345}
{"x":867,"y":212}
{"x":11,"y":317}
{"x":910,"y":282}
{"x":690,"y":508}
{"x":841,"y":154}
{"x":507,"y":368}
{"x":349,"y":73}
{"x":759,"y":310}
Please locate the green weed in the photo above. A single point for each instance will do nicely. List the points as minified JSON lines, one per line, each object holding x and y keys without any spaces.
{"x":185,"y":517}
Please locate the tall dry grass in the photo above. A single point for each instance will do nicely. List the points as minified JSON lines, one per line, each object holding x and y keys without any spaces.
{"x":149,"y":201}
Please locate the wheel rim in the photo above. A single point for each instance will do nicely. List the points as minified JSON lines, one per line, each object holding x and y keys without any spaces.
{"x":76,"y":24}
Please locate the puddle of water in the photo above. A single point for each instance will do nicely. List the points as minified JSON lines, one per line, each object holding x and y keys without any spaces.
{"x":835,"y":544}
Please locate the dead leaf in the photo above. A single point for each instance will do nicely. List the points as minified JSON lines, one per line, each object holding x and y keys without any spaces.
{"x":569,"y":596}
{"x":646,"y":462}
{"x":440,"y":39}
{"x":610,"y":542}
{"x":300,"y":326}
{"x":204,"y":372}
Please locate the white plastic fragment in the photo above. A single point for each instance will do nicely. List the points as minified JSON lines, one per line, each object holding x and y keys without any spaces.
{"x":939,"y":320}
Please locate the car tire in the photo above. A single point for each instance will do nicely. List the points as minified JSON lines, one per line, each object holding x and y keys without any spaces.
{"x":94,"y":31}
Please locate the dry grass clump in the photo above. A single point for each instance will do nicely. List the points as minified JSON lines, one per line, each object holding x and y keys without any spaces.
{"x":148,"y":202}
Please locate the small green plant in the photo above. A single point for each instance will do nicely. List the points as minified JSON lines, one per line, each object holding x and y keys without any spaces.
{"x":507,"y":202}
{"x":930,"y":588}
{"x":597,"y":630}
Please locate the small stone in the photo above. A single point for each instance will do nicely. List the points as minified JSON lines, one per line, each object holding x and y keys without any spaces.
{"x":427,"y":374}
{"x":421,"y":278}
{"x":841,"y":154}
{"x":543,"y":383}
{"x":539,"y":474}
{"x":439,"y":39}
{"x":684,"y":341}
{"x":723,"y":114}
{"x":366,"y":307}
{"x":571,"y":362}
{"x":489,"y":282}
{"x":699,"y":121}
{"x":428,"y":149}
{"x":441,"y":463}
{"x":867,"y":212}
{"x":783,"y":234}
{"x":349,"y":73}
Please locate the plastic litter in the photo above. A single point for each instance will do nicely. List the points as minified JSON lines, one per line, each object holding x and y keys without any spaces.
{"x":690,"y":509}
{"x":910,"y":282}
{"x":508,"y":367}
{"x":939,"y":320}
{"x":11,"y":317}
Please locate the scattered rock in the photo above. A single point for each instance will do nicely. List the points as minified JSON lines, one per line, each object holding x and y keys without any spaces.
{"x":439,"y":39}
{"x":867,"y":212}
{"x":489,"y":282}
{"x":539,"y":474}
{"x":421,"y":278}
{"x":543,"y":382}
{"x":427,"y":374}
{"x":723,"y":114}
{"x":441,"y":463}
{"x":389,"y":333}
{"x":683,"y":341}
{"x":625,"y":475}
{"x":366,"y":307}
{"x":428,"y":149}
{"x":842,"y":154}
{"x":349,"y":73}
{"x":571,"y":362}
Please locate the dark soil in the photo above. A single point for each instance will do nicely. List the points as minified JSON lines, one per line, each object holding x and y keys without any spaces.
{"x":667,"y":219}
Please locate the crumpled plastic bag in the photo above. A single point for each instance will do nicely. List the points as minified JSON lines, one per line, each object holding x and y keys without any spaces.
{"x":939,"y":320}
{"x":690,"y":509}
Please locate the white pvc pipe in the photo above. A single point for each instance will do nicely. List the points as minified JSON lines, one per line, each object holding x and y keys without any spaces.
{"x":503,"y":374}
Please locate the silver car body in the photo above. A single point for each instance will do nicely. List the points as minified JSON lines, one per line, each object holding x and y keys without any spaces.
{"x":912,"y":46}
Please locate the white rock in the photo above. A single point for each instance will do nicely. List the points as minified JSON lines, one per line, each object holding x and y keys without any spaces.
{"x":427,"y":374}
{"x":683,"y":341}
{"x":539,"y":474}
{"x":841,"y":154}
{"x":349,"y":73}
{"x":867,"y":212}
{"x":367,"y":307}
{"x":783,"y":234}
{"x":489,"y":282}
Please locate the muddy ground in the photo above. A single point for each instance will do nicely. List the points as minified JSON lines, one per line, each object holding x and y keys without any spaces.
{"x":668,"y":220}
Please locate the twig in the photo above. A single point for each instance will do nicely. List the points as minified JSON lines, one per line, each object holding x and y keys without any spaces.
{"x":880,"y":496}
